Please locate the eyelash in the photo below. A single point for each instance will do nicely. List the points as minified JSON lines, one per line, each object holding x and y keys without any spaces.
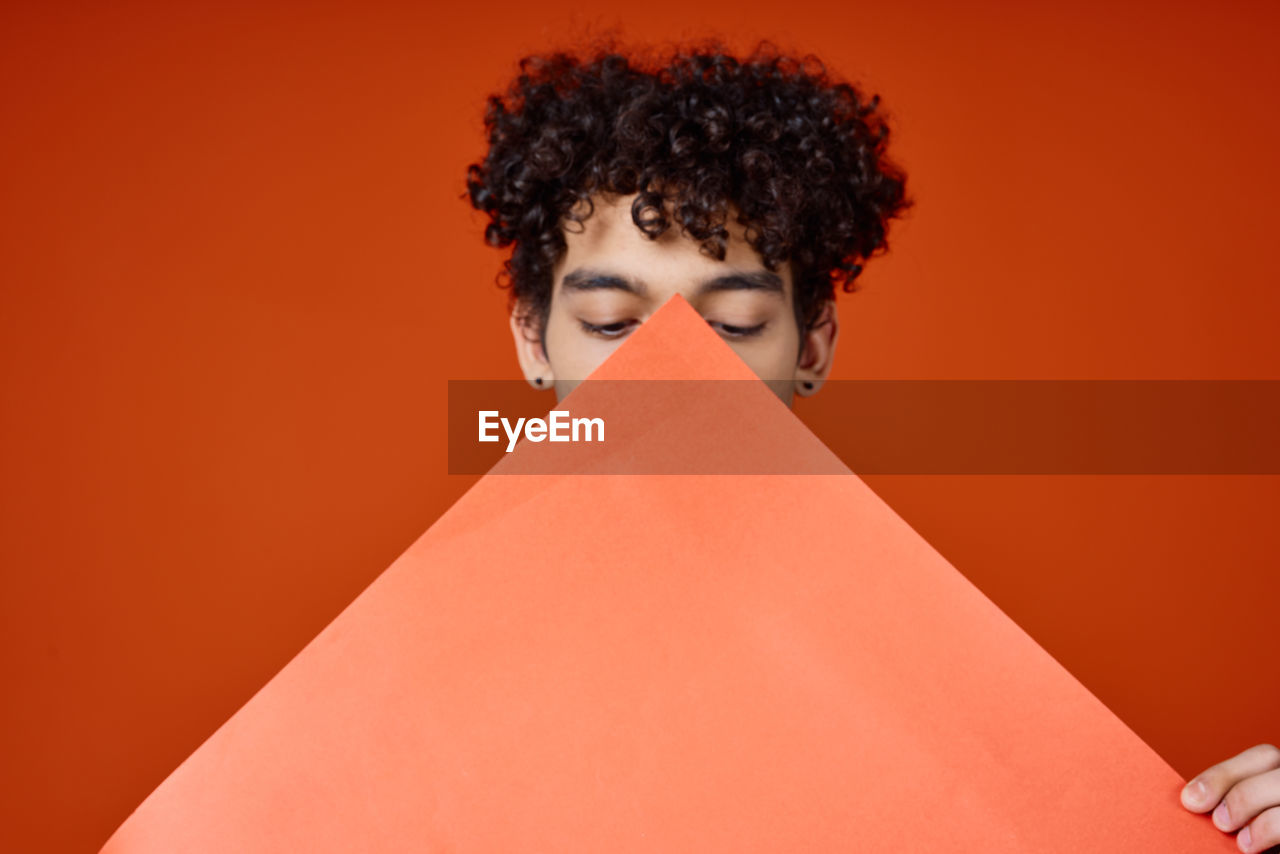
{"x":621,"y":327}
{"x":738,"y":331}
{"x":606,"y":330}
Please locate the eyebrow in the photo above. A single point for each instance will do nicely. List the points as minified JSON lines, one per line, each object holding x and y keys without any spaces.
{"x":757,"y":280}
{"x":595,"y":280}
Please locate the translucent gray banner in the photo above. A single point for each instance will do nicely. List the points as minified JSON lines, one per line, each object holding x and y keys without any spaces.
{"x":882,"y":427}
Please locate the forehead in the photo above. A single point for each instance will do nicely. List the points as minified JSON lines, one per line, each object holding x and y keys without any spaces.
{"x":610,"y":234}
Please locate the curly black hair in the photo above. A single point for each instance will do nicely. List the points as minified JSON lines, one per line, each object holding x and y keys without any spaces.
{"x":799,"y":155}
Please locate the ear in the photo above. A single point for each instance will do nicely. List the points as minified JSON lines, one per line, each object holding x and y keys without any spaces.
{"x":529,"y":349}
{"x":818,"y":352}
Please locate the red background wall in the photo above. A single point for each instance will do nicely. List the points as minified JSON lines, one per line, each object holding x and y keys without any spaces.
{"x":237,"y":273}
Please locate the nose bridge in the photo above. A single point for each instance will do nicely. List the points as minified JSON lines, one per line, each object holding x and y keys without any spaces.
{"x":667,"y":271}
{"x":663,"y":287}
{"x":679,"y":266}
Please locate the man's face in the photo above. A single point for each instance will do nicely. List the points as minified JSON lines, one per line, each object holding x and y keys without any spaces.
{"x":612,"y":278}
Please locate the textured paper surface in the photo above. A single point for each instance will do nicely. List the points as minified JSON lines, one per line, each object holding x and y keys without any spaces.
{"x":574,"y":663}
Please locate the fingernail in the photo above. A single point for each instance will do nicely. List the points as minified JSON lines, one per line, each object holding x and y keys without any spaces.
{"x":1244,"y":838}
{"x":1221,"y":817}
{"x":1196,"y":792}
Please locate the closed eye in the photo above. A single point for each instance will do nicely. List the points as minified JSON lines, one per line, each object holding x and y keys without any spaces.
{"x":619,"y":328}
{"x":607,"y":330}
{"x":730,"y":331}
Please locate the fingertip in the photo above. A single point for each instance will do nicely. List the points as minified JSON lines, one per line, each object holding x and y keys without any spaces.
{"x":1195,"y":796}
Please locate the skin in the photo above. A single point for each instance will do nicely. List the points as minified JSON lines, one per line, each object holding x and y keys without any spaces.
{"x":612,"y":278}
{"x":1243,"y":795}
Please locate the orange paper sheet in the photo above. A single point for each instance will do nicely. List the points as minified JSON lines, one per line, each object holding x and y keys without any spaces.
{"x":711,"y":663}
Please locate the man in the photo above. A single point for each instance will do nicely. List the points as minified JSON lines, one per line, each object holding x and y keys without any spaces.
{"x":752,"y":188}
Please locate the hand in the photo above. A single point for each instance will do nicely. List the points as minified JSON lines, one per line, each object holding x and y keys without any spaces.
{"x":1244,"y":794}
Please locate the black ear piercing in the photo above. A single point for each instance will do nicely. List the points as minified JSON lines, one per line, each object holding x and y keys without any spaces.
{"x":537,"y":381}
{"x":808,"y":386}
